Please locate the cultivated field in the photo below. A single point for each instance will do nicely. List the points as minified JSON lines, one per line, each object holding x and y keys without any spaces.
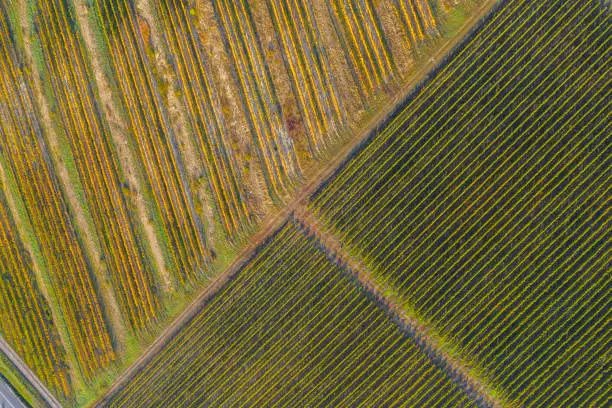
{"x":24,"y":314}
{"x":291,"y":329}
{"x":484,"y":202}
{"x":96,"y":161}
{"x":151,"y":150}
{"x":26,"y":162}
{"x":152,"y":134}
{"x":203,"y":106}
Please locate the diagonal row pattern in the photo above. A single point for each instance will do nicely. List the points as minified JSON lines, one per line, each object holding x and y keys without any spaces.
{"x":291,"y":329}
{"x":96,"y":161}
{"x":25,"y":320}
{"x":259,"y":99}
{"x":24,"y":151}
{"x":485,"y":201}
{"x":157,"y":147}
{"x":308,"y":68}
{"x":206,"y":115}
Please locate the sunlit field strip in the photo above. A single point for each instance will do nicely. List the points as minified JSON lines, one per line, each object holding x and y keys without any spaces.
{"x":320,"y":60}
{"x":146,"y":148}
{"x":25,"y":320}
{"x":296,"y":18}
{"x":95,"y":161}
{"x":356,"y":22}
{"x":308,"y":309}
{"x":307,"y":91}
{"x":368,"y":75}
{"x":154,"y":139}
{"x":369,"y":18}
{"x":260,"y":102}
{"x":508,"y":183}
{"x":204,"y":113}
{"x":424,"y":11}
{"x":243,"y":18}
{"x":350,"y":61}
{"x":192,"y":227}
{"x":317,"y":58}
{"x":252,"y":46}
{"x":382,"y":147}
{"x":184,"y":341}
{"x":410,"y":20}
{"x":252,"y":101}
{"x":28,"y":161}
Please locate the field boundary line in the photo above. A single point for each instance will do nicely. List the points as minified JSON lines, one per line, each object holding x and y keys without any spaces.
{"x":23,"y":368}
{"x":274,"y":222}
{"x":258,"y":242}
{"x":418,"y":331}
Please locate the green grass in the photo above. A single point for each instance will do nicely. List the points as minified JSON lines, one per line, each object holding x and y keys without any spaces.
{"x":19,"y":383}
{"x":453,"y":21}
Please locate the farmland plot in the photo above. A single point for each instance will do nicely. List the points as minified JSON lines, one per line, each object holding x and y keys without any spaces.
{"x":25,"y":157}
{"x":275,"y":150}
{"x":206,"y":115}
{"x":96,"y":161}
{"x":309,"y":70}
{"x":149,"y":100}
{"x":484,"y":202}
{"x":291,"y":329}
{"x":358,"y":27}
{"x":25,"y":320}
{"x":153,"y":136}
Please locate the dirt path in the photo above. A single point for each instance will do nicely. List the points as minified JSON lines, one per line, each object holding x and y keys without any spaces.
{"x":177,"y":324}
{"x":420,"y":333}
{"x":28,"y":374}
{"x":272,"y":223}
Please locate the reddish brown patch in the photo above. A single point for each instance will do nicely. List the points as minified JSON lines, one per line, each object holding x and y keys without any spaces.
{"x":294,"y":124}
{"x":145,"y":30}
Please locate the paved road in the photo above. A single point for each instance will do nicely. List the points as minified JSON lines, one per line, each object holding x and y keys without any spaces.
{"x":8,"y":398}
{"x":28,"y":374}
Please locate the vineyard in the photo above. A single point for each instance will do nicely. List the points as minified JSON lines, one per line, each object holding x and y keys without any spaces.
{"x":316,"y":339}
{"x":25,"y":158}
{"x":360,"y":35}
{"x":484,"y":201}
{"x":260,"y":101}
{"x":305,"y":203}
{"x":206,"y":117}
{"x":298,"y":34}
{"x":154,"y":137}
{"x":32,"y":331}
{"x":96,"y":162}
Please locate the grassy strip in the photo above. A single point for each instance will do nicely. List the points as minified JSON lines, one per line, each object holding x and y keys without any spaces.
{"x":20,"y":385}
